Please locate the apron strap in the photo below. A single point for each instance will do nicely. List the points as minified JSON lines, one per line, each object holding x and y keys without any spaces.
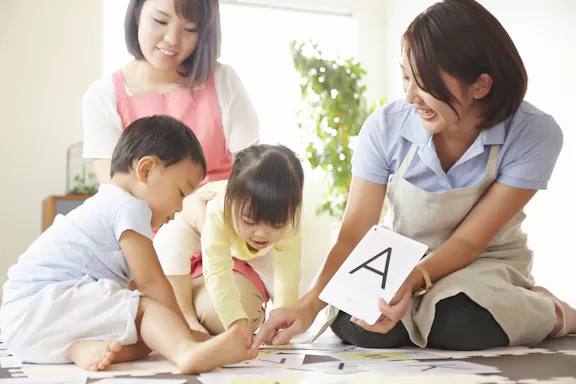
{"x":492,"y":166}
{"x":406,"y":162}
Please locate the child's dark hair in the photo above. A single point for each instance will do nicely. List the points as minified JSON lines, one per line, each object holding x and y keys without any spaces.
{"x":165,"y":137}
{"x":201,"y":64}
{"x":265,"y":184}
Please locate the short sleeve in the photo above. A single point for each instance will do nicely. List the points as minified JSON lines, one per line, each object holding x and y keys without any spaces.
{"x":133,"y":215}
{"x":535,"y":147}
{"x":369,"y":161}
{"x":239,"y":119}
{"x":100,"y":120}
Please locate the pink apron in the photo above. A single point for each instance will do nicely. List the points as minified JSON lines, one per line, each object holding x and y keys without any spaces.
{"x":239,"y":266}
{"x":199,"y":110}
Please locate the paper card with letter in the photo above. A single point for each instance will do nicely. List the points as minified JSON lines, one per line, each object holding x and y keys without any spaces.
{"x":377,"y":267}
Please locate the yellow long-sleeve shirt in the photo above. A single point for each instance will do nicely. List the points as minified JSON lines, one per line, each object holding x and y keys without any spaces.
{"x":221,"y":242}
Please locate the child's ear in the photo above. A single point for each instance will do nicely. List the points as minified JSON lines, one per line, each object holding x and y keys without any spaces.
{"x":144,"y":167}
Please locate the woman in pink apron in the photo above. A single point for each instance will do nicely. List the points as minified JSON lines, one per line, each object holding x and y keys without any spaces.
{"x":458,"y":160}
{"x":175,"y":72}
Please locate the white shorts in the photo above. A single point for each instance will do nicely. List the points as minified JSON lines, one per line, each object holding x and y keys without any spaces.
{"x":40,"y":328}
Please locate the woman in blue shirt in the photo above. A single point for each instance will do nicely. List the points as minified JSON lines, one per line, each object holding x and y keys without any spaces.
{"x":458,"y":160}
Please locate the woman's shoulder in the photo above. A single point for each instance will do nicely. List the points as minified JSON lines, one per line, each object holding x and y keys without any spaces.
{"x":103,"y":88}
{"x":227,"y":76}
{"x":389,"y":121}
{"x":533,"y":125}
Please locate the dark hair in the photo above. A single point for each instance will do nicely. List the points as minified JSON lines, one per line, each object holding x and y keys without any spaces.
{"x":463,"y":39}
{"x":200,"y":65}
{"x":165,"y":137}
{"x":268,"y":179}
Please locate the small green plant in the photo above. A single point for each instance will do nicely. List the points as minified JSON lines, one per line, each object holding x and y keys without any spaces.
{"x":334,"y":109}
{"x":88,"y":186}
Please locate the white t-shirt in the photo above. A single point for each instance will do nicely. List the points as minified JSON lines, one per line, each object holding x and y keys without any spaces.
{"x":84,"y":242}
{"x":103,"y":127}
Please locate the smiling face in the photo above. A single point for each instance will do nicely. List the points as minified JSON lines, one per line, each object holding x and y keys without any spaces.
{"x":166,"y":39}
{"x":436,"y":115}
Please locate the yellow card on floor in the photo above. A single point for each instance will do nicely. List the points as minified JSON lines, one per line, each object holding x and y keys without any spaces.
{"x":263,"y":354}
{"x":375,"y":356}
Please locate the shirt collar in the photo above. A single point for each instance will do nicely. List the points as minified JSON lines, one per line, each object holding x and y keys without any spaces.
{"x":413,"y":131}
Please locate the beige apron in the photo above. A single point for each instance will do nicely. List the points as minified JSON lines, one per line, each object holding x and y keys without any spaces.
{"x":498,"y":280}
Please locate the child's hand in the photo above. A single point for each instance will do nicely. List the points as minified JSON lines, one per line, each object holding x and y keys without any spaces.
{"x":194,"y":324}
{"x":244,"y":326}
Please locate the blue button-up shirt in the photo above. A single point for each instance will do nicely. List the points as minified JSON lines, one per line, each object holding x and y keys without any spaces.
{"x":530,"y":144}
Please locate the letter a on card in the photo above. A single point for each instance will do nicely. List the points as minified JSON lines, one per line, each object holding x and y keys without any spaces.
{"x":377,"y":267}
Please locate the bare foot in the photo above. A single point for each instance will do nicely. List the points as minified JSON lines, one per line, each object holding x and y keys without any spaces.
{"x":94,"y":355}
{"x":229,"y":347}
{"x":566,"y":315}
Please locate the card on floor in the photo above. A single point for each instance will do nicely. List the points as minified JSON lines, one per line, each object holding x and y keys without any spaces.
{"x":391,"y":356}
{"x":407,"y":368}
{"x":377,"y":267}
{"x":271,"y":360}
{"x":334,"y":367}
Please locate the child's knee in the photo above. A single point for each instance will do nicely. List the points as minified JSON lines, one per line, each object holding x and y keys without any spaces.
{"x":146,"y":303}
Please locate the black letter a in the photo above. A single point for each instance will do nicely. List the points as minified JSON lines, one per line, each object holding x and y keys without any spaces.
{"x":388,"y":251}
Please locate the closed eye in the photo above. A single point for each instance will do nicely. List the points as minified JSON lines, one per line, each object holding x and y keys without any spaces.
{"x":160,"y":22}
{"x":248,"y":221}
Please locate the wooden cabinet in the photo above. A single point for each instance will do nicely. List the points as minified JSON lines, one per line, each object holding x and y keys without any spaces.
{"x":54,"y":205}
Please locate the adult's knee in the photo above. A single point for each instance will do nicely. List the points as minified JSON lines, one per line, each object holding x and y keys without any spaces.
{"x":461,"y":324}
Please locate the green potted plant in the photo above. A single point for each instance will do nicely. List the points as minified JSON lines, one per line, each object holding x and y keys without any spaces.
{"x":333,"y":111}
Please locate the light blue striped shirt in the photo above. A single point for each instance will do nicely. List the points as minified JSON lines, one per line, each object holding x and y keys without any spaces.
{"x":530,"y":144}
{"x":84,"y":242}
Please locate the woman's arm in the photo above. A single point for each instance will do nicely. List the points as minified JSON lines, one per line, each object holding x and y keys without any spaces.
{"x":492,"y":212}
{"x":239,"y":118}
{"x":102,"y":126}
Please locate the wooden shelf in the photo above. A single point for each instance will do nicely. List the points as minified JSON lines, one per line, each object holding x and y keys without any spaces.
{"x":59,"y":204}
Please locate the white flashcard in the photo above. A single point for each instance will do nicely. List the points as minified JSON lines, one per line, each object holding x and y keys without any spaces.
{"x":273,"y":361}
{"x":407,"y":368}
{"x":334,"y":367}
{"x":10,"y":362}
{"x":377,"y":267}
{"x":271,"y":377}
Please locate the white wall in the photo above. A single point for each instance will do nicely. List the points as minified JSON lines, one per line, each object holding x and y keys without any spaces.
{"x":50,"y":53}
